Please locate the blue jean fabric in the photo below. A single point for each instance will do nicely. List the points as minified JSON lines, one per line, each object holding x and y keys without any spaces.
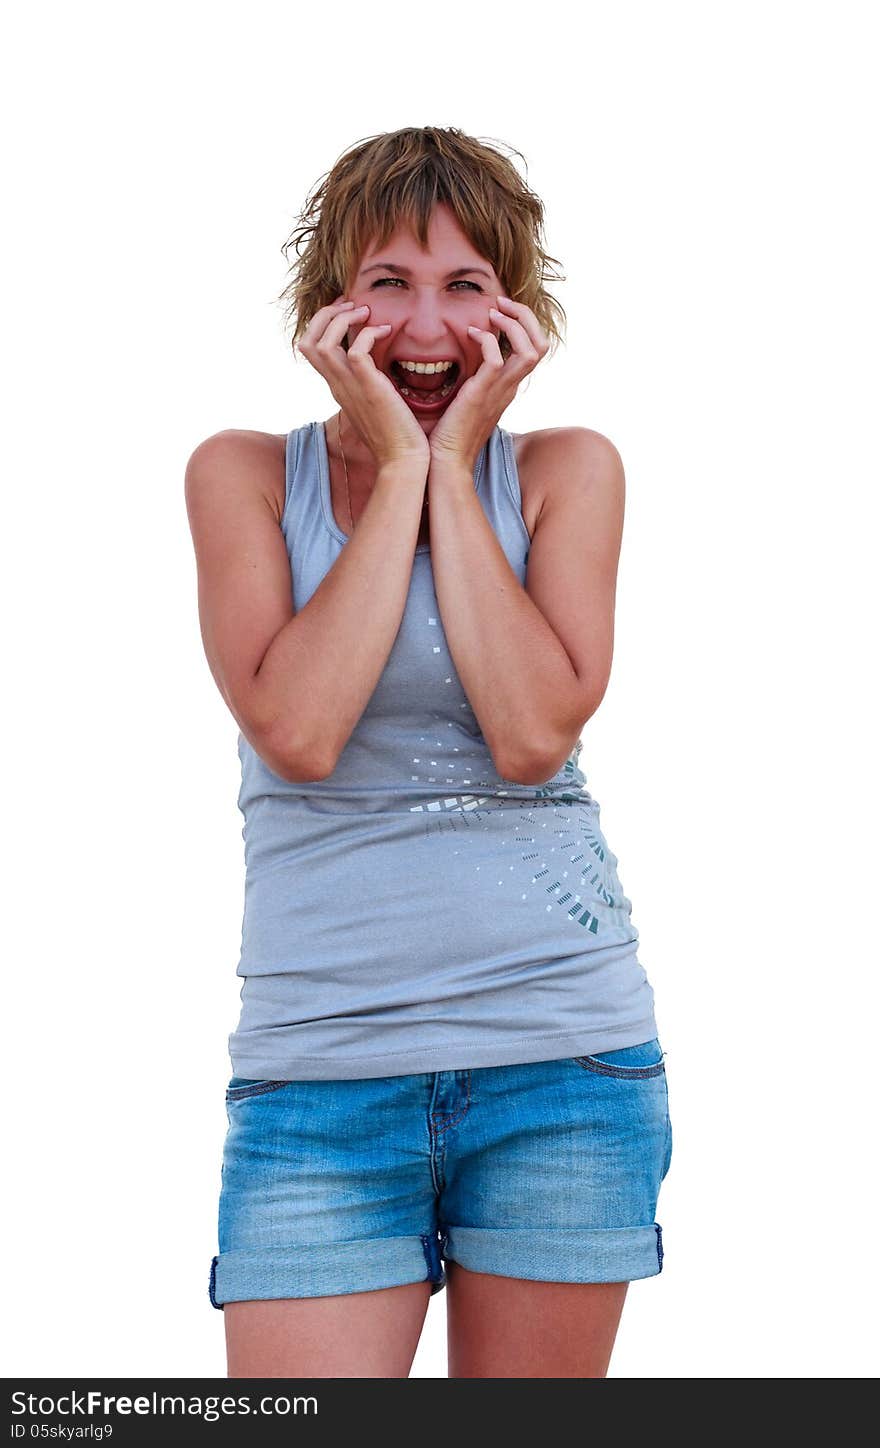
{"x":549,"y":1171}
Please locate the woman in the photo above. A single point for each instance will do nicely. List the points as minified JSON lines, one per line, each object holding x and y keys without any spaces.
{"x":447,"y":1071}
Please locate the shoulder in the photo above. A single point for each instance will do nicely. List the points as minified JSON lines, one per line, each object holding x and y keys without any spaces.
{"x":257,"y":459}
{"x":553,"y":460}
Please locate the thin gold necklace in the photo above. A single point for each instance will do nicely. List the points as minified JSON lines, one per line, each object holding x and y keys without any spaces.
{"x":345,"y":467}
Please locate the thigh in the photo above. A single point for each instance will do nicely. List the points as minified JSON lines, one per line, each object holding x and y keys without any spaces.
{"x":355,"y":1335}
{"x":507,"y":1327}
{"x":328,"y":1242}
{"x":551,"y":1181}
{"x":560,"y":1160}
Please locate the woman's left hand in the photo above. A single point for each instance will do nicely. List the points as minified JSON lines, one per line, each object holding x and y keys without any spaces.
{"x":471,"y":417}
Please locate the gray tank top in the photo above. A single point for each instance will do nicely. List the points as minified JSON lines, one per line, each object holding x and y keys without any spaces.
{"x":415,"y":911}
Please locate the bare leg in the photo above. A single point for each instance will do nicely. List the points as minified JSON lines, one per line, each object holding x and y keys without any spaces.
{"x":354,"y":1335}
{"x":506,"y":1327}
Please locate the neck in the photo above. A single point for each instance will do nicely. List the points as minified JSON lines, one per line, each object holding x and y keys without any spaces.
{"x":357,"y":455}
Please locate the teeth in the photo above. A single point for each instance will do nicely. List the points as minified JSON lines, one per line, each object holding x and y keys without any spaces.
{"x":426,"y":366}
{"x":445,"y":391}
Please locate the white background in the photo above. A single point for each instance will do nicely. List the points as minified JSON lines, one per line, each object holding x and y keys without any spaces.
{"x":708,"y":173}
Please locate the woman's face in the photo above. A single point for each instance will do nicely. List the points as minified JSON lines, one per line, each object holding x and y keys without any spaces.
{"x":428,"y":307}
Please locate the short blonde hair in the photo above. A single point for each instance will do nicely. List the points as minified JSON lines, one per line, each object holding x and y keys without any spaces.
{"x":397,"y":178}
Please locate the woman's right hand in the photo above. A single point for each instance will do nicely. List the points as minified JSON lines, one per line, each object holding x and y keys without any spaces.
{"x":368,"y":398}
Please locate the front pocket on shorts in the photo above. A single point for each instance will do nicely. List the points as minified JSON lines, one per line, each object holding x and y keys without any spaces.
{"x":239,"y":1088}
{"x":628,"y":1063}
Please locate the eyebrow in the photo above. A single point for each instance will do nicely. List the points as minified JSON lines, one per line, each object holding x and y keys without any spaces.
{"x":403,"y":271}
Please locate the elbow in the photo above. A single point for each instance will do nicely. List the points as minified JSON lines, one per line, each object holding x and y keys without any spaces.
{"x":529,"y":769}
{"x":307,"y":769}
{"x":525,"y":776}
{"x":301,"y":772}
{"x":540,"y":766}
{"x":295,"y":765}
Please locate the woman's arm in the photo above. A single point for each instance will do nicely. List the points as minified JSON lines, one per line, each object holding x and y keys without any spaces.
{"x":534,"y":661}
{"x":296,"y":683}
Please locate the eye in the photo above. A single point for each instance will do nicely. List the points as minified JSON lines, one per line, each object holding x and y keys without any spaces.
{"x":382,"y":281}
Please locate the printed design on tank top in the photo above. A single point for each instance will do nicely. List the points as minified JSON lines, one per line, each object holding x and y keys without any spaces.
{"x":576,"y":874}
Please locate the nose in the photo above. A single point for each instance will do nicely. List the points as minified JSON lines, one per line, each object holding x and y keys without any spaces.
{"x":424,"y":323}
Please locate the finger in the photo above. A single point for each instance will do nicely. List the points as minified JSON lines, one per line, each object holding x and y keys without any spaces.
{"x":489,"y":347}
{"x":336,"y":328}
{"x":363,"y":342}
{"x":318,"y":323}
{"x":320,"y":318}
{"x":519,"y":312}
{"x":518,"y":335}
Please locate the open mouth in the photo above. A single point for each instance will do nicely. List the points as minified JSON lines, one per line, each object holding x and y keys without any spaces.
{"x":425,"y":392}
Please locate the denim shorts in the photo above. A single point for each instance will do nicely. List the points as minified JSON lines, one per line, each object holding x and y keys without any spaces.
{"x":548,"y":1171}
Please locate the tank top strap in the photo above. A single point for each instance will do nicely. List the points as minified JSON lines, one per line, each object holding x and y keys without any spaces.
{"x":502,"y":499}
{"x":301,"y":474}
{"x":310,"y":544}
